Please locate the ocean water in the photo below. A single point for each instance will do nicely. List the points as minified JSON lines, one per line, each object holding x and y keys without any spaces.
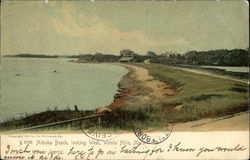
{"x":32,"y":85}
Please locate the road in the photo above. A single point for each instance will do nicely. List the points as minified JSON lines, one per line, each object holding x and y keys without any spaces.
{"x":210,"y":74}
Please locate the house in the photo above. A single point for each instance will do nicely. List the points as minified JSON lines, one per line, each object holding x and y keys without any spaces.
{"x":126,"y":59}
{"x":126,"y":53}
{"x":127,"y":56}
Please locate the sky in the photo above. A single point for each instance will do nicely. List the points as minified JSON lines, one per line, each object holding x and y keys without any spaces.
{"x":83,"y":27}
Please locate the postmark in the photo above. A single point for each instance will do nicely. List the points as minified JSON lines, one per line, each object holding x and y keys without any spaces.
{"x":98,"y":135}
{"x":94,"y":133}
{"x":154,"y":138}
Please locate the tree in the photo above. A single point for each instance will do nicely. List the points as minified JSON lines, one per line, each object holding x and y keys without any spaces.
{"x":127,"y":53}
{"x":151,"y":54}
{"x":98,"y":54}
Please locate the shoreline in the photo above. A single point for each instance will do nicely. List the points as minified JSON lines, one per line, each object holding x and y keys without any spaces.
{"x":138,"y":87}
{"x":124,"y":91}
{"x":200,"y":125}
{"x":131,"y":90}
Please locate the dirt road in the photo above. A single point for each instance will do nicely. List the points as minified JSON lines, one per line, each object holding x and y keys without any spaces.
{"x":235,"y":122}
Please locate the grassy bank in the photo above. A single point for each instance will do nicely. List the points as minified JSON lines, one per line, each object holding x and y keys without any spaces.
{"x":47,"y":117}
{"x":198,"y":96}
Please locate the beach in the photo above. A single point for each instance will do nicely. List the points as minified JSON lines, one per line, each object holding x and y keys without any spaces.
{"x":132,"y":93}
{"x":138,"y":86}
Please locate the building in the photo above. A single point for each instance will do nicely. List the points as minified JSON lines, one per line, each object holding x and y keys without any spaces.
{"x":126,"y":59}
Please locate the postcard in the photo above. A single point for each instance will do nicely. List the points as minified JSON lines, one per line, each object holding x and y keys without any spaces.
{"x":131,"y":80}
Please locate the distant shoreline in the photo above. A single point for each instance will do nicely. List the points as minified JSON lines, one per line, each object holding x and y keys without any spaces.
{"x":31,"y":56}
{"x":218,"y":57}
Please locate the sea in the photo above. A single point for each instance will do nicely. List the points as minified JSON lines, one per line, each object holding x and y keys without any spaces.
{"x":33,"y":85}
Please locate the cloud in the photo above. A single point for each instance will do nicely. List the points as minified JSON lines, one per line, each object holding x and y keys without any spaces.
{"x":97,"y":32}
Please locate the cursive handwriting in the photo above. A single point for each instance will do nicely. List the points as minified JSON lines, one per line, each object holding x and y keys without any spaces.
{"x":237,"y":148}
{"x":142,"y":150}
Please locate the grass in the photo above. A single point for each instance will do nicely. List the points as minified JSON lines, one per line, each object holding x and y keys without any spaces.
{"x":45,"y":118}
{"x":199,"y":96}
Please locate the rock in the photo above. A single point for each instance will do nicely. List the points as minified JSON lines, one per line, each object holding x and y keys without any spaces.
{"x":118,"y":96}
{"x":103,"y":110}
{"x":120,"y":90}
{"x":179,"y":107}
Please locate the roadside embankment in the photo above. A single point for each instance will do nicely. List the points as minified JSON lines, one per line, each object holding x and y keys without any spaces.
{"x":192,"y":97}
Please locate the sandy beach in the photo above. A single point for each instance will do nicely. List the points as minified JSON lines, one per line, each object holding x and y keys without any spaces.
{"x":154,"y":88}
